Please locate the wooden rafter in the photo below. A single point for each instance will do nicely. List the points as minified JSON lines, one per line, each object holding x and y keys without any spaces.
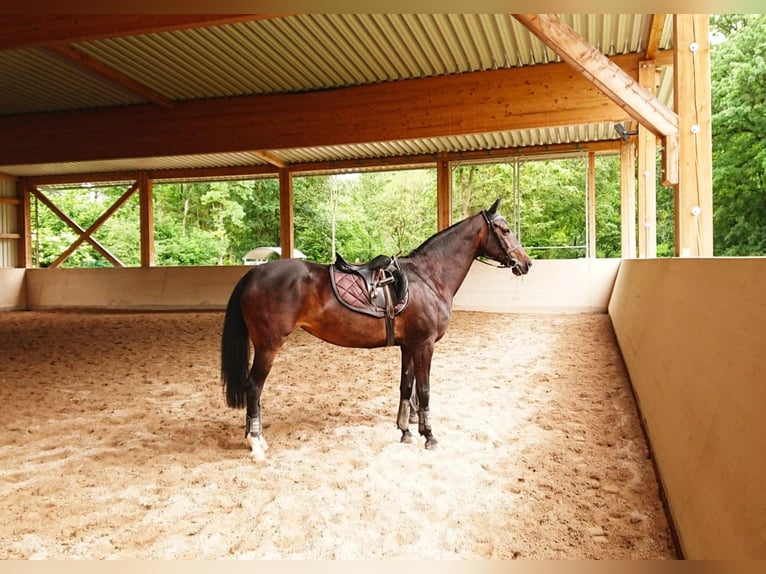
{"x":653,"y":39}
{"x":619,"y":86}
{"x":269,"y":158}
{"x":390,"y":162}
{"x":90,"y":63}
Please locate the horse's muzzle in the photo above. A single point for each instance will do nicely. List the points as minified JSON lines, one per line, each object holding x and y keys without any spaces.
{"x":519,"y":268}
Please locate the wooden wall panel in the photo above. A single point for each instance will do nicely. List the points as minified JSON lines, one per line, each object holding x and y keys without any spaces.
{"x":694,"y":359}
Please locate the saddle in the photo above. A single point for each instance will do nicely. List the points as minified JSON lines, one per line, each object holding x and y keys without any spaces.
{"x":378,"y":288}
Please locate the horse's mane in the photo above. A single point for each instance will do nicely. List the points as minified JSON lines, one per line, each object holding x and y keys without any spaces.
{"x":436,"y":238}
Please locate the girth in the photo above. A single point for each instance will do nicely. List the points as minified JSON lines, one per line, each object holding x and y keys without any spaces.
{"x":378,"y":288}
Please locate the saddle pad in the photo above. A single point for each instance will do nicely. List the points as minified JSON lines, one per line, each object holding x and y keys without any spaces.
{"x":351,"y":291}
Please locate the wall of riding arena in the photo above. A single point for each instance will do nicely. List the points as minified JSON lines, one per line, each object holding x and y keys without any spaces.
{"x":692,"y":333}
{"x":12,"y":289}
{"x":551,"y":286}
{"x":132,"y":288}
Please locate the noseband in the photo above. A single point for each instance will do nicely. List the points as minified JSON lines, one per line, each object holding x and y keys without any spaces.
{"x":514,"y":264}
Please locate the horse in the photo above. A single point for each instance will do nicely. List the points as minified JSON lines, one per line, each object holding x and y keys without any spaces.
{"x":274,"y":298}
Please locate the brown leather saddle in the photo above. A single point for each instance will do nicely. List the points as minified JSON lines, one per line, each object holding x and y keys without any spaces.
{"x":378,"y":288}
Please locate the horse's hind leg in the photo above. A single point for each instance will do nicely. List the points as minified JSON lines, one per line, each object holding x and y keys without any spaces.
{"x":405,"y":395}
{"x":262,"y":361}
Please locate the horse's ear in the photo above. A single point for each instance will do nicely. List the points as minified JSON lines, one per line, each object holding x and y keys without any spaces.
{"x":493,"y":209}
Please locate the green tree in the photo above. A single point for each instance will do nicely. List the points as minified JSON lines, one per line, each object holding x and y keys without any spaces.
{"x":312,"y":221}
{"x":738,"y":77}
{"x":553,"y":221}
{"x":477,"y":186}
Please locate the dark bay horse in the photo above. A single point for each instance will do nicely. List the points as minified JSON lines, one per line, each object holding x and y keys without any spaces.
{"x":272,"y":299}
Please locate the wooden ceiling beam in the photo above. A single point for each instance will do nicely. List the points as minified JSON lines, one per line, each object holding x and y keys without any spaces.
{"x":621,"y":87}
{"x":654,"y":36}
{"x":35,"y":30}
{"x":529,"y":97}
{"x":330,"y":166}
{"x":269,"y":157}
{"x":90,"y":63}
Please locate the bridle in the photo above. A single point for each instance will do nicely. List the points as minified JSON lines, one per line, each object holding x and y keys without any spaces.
{"x":512,"y":263}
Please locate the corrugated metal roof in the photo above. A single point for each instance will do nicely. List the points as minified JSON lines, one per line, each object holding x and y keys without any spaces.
{"x":35,"y":80}
{"x":322,"y":51}
{"x":309,"y":52}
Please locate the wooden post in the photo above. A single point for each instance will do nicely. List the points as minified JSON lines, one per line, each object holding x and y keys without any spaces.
{"x":694,"y":191}
{"x":647,"y":172}
{"x":443,"y":194}
{"x":591,"y":206}
{"x":628,"y":198}
{"x":146,"y":217}
{"x":24,"y":220}
{"x":286,"y":223}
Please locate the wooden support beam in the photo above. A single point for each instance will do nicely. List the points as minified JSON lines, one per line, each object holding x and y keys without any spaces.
{"x":146,"y":217}
{"x":443,"y":194}
{"x":611,"y":80}
{"x":382,"y":163}
{"x":90,"y":63}
{"x":619,"y":86}
{"x":269,"y":158}
{"x":694,"y":192}
{"x":85,"y":234}
{"x":529,"y":97}
{"x":286,"y":214}
{"x":653,"y":38}
{"x":628,"y":198}
{"x":591,"y":206}
{"x":647,"y":173}
{"x":23,"y":217}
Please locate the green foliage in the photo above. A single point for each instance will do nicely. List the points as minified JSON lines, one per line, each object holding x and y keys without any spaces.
{"x":738,"y":77}
{"x":371,"y":213}
{"x":547,"y":205}
{"x":553,"y":208}
{"x":608,"y":227}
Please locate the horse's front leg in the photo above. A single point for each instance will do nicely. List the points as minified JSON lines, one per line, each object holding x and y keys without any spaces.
{"x":404,"y":418}
{"x":422,"y":361}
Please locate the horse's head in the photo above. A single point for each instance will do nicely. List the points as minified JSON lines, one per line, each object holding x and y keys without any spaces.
{"x":501,"y":243}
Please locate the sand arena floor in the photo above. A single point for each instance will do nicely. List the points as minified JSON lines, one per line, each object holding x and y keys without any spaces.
{"x":116,"y":442}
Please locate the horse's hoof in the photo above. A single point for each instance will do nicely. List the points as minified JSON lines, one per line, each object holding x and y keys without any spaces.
{"x":431,"y":444}
{"x":258,"y":455}
{"x":406,"y":437}
{"x":257,"y":446}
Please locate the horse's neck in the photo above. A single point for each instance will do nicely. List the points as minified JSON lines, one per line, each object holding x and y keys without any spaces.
{"x":447,"y":257}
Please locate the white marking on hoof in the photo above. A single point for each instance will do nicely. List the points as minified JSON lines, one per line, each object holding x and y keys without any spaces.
{"x":256,"y":447}
{"x":264,"y":444}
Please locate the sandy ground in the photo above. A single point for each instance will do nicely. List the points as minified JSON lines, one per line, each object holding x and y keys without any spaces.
{"x":115,"y":442}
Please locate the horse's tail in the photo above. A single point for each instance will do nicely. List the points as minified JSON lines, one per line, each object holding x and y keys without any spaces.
{"x":235,"y":349}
